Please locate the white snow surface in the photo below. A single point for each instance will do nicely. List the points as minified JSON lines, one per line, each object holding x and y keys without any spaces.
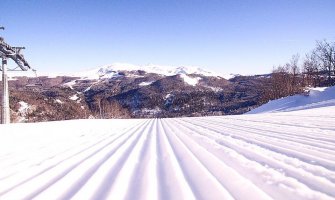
{"x":283,"y":155}
{"x":314,"y":98}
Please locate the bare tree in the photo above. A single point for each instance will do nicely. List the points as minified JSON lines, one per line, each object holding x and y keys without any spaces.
{"x":115,"y":110}
{"x":285,"y":80}
{"x":294,"y":71}
{"x":325,"y":52}
{"x":312,"y":68}
{"x":279,"y":84}
{"x":98,"y":106}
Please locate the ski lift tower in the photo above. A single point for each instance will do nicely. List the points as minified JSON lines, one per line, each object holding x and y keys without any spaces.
{"x":8,"y":52}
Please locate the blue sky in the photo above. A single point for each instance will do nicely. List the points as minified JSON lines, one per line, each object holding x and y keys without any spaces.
{"x":227,"y":36}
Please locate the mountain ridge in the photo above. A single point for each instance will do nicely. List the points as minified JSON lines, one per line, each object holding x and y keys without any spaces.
{"x":111,"y":70}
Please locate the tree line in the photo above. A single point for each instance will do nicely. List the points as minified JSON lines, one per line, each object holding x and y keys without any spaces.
{"x":316,"y":69}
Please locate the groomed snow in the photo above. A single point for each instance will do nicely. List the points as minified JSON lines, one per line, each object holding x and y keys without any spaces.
{"x":284,"y":155}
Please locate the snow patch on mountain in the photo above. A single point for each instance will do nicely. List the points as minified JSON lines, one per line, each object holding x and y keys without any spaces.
{"x":70,"y":84}
{"x":313,"y":98}
{"x":168,"y":96}
{"x":215,"y":89}
{"x":74,"y":97}
{"x":151,"y":111}
{"x":23,"y":107}
{"x":59,"y":101}
{"x":190,"y":80}
{"x":145,"y":83}
{"x":23,"y":111}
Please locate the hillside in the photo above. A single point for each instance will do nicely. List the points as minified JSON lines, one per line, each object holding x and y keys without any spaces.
{"x":128,"y":91}
{"x":282,"y":155}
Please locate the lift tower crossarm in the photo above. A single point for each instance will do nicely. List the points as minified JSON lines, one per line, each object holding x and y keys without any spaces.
{"x":14,"y":54}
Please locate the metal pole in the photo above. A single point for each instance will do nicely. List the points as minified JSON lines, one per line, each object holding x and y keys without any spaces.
{"x":5,"y":111}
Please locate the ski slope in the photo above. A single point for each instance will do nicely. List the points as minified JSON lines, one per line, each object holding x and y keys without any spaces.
{"x":314,"y":98}
{"x":284,"y":155}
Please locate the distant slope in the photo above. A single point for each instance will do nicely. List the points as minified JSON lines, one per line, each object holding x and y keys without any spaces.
{"x":316,"y":97}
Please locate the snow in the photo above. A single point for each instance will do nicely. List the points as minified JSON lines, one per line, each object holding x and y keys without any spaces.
{"x":190,"y":80}
{"x":281,"y":155}
{"x":59,"y":101}
{"x":145,"y":83}
{"x":70,"y":84}
{"x":316,"y":97}
{"x":74,"y":97}
{"x":88,"y":88}
{"x":23,"y":110}
{"x":215,"y":89}
{"x":151,"y":111}
{"x":23,"y":107}
{"x":167,"y":96}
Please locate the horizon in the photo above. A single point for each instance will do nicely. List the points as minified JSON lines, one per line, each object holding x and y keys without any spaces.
{"x":228,"y":37}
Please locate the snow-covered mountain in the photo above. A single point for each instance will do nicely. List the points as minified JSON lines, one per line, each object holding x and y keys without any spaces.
{"x":313,"y":98}
{"x":114,"y":70}
{"x":117,"y":69}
